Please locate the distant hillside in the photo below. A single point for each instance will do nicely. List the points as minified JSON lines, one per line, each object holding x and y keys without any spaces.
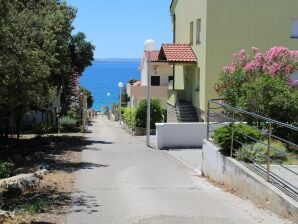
{"x":118,"y":60}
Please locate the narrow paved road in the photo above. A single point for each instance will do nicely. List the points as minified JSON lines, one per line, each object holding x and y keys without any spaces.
{"x":124,"y":182}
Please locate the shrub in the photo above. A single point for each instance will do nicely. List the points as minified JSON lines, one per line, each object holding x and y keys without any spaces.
{"x":67,"y":124}
{"x":5,"y":169}
{"x":130,"y":117}
{"x":275,"y":98}
{"x":106,"y":110}
{"x":261,"y":83}
{"x":41,"y":129}
{"x":165,"y":115}
{"x":245,"y":68}
{"x":156,"y":113}
{"x":258,"y":152}
{"x":39,"y":205}
{"x":242,"y":133}
{"x":74,"y":112}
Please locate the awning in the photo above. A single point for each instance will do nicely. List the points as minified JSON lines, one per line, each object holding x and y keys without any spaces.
{"x":176,"y":53}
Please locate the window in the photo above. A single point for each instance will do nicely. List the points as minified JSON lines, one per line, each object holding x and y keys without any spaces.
{"x":198,"y":80}
{"x":294,"y":28}
{"x":170,"y":78}
{"x":199,"y":31}
{"x":191,"y":33}
{"x":155,"y":80}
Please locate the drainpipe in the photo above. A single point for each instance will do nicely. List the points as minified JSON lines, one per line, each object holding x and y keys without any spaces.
{"x":174,"y":27}
{"x":174,"y":41}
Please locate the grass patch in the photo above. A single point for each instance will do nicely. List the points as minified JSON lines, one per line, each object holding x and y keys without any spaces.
{"x":34,"y":205}
{"x":39,"y":205}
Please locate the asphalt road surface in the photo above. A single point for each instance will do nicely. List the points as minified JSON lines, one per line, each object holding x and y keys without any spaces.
{"x":124,"y":182}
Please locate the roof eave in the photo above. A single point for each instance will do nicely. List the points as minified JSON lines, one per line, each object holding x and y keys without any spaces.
{"x":173,"y":6}
{"x":175,"y":62}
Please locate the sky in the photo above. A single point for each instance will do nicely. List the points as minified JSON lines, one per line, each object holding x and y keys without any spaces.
{"x":118,"y":28}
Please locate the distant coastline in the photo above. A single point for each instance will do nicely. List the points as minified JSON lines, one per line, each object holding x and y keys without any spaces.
{"x":103,"y":76}
{"x":118,"y":60}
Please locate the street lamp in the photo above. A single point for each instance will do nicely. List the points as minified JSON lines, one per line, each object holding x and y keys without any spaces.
{"x":109,"y":109}
{"x":149,"y":45}
{"x":120,"y":85}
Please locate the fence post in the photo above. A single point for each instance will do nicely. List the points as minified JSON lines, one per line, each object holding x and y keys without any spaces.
{"x":208,"y":120}
{"x":232,"y":137}
{"x":268,"y":151}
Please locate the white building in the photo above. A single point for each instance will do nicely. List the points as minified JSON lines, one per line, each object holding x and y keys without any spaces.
{"x":161,"y":77}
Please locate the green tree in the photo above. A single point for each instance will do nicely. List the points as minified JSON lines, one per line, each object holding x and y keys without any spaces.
{"x":81,"y":56}
{"x":155,"y":112}
{"x":81,"y":52}
{"x":90,"y":99}
{"x":34,"y":40}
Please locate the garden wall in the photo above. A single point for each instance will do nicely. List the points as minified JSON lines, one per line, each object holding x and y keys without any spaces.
{"x":235,"y":176}
{"x":180,"y":135}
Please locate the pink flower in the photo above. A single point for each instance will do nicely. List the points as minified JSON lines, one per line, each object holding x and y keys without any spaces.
{"x":294,"y":54}
{"x":255,"y":50}
{"x":275,"y":52}
{"x":258,"y":58}
{"x":277,"y":60}
{"x":242,"y":53}
{"x":272,"y":70}
{"x":232,"y":68}
{"x":225,"y":69}
{"x":250,"y":67}
{"x":289,"y":69}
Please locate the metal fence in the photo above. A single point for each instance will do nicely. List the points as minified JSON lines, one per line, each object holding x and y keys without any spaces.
{"x":260,"y":154}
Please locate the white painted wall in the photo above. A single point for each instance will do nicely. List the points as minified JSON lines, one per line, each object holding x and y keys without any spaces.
{"x":180,"y":135}
{"x":164,"y":71}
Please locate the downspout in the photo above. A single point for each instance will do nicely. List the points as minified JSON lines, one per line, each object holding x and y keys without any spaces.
{"x":174,"y":41}
{"x":174,"y":27}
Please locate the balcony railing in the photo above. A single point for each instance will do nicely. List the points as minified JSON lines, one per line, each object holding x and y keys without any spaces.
{"x":280,"y":174}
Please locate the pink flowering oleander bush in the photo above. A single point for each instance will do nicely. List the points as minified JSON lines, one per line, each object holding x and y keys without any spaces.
{"x":261,"y":83}
{"x":248,"y":67}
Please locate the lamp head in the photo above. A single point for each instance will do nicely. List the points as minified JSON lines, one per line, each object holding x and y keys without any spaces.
{"x":149,"y":45}
{"x":120,"y":84}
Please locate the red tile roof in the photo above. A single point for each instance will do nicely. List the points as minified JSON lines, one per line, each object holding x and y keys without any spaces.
{"x":177,"y":53}
{"x":153,"y":55}
{"x":137,"y":83}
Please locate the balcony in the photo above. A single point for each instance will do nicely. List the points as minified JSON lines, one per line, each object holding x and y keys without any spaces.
{"x":141,"y":91}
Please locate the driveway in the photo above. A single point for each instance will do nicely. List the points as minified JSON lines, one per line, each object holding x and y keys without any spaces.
{"x":125,"y":182}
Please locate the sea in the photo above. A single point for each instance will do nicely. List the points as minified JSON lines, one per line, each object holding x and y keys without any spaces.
{"x":103,"y":76}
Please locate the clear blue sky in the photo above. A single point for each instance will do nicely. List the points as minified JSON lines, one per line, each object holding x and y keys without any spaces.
{"x":118,"y":28}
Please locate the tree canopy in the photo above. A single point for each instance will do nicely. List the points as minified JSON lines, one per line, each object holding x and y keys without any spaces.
{"x":36,"y":55}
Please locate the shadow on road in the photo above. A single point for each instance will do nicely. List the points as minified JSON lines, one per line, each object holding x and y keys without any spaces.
{"x":27,"y":153}
{"x":72,"y":167}
{"x":84,"y":203}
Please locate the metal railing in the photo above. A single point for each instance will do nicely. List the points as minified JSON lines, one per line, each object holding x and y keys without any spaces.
{"x":273,"y":170}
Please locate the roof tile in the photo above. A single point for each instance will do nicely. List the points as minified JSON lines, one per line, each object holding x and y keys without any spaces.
{"x":153,"y":55}
{"x":177,"y":53}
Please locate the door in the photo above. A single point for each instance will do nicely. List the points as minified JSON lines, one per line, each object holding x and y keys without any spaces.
{"x":188,"y":84}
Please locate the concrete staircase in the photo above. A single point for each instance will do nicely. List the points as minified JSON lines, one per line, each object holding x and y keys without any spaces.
{"x":186,"y":112}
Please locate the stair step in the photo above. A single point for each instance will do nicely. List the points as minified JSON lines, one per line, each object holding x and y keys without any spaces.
{"x":186,"y":112}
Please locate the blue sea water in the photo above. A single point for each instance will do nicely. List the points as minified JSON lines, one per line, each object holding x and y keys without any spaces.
{"x":102,"y":78}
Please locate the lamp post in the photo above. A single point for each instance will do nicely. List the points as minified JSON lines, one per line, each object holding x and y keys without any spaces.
{"x":120,"y":85}
{"x":149,"y":45}
{"x":109,"y":109}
